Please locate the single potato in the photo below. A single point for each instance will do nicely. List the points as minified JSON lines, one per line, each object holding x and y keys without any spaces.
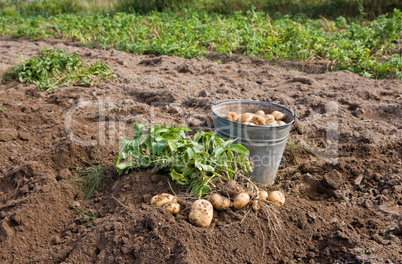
{"x":269,"y":118}
{"x":262,"y":195}
{"x":258,"y":120}
{"x":241,"y":200}
{"x":163,"y":198}
{"x":201,"y":213}
{"x":281,"y":123}
{"x":249,"y":123}
{"x":277,"y":198}
{"x":272,"y":123}
{"x":246,"y":117}
{"x":278,"y":115}
{"x":260,"y":113}
{"x":219,"y":202}
{"x":232,"y":116}
{"x":173,"y":208}
{"x":256,"y":205}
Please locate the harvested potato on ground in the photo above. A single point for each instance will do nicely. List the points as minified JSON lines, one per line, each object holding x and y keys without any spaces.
{"x":232,"y":116}
{"x":272,"y":123}
{"x":269,"y":118}
{"x":241,"y":200}
{"x":256,"y":205}
{"x":246,"y":117}
{"x":260,"y":113}
{"x":258,"y":120}
{"x":281,"y":123}
{"x":163,"y":198}
{"x":262,"y":195}
{"x":219,"y":202}
{"x":173,"y":208}
{"x":231,"y":188}
{"x":277,"y":198}
{"x":278,"y":115}
{"x":201,"y":213}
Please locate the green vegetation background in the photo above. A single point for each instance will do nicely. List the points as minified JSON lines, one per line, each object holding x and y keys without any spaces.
{"x":363,"y":36}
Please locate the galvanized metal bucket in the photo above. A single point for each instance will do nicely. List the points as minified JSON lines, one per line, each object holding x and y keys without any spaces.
{"x":266,"y":143}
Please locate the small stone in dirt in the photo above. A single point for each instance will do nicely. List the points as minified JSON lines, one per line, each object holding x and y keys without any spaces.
{"x":377,"y":176}
{"x":202,"y":93}
{"x":368,"y":204}
{"x":8,"y":135}
{"x":56,"y":240}
{"x":80,"y":195}
{"x":333,"y":179}
{"x":76,"y":205}
{"x":23,"y":135}
{"x":359,"y":179}
{"x":63,"y":174}
{"x":310,"y":255}
{"x":6,"y":232}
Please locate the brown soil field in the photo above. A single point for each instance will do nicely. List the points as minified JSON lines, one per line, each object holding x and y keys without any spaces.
{"x":341,"y":172}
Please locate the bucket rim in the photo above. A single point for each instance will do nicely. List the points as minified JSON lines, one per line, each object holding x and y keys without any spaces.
{"x":253,"y":101}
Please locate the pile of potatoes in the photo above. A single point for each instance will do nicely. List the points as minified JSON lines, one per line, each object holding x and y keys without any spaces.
{"x":202,"y":211}
{"x":258,"y":119}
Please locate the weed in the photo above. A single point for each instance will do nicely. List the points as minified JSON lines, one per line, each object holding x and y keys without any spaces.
{"x":88,"y":216}
{"x":2,"y":108}
{"x":385,"y":231}
{"x":94,"y":176}
{"x":54,"y":68}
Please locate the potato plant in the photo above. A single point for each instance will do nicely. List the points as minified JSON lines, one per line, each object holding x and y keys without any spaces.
{"x":196,"y":162}
{"x":364,"y":48}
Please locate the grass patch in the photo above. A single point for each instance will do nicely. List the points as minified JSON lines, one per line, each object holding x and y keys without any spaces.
{"x":93,"y":177}
{"x":55,"y":68}
{"x":87,"y":216}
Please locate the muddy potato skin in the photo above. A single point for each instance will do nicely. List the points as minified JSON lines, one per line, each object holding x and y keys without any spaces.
{"x":269,"y":117}
{"x":277,"y":198}
{"x":249,"y":123}
{"x":262,"y":195}
{"x":256,"y":205}
{"x":241,"y":200}
{"x":246,"y":117}
{"x":272,"y":123}
{"x":260,"y":113}
{"x":163,"y":198}
{"x":281,"y":123}
{"x":278,"y":115}
{"x":232,"y":116}
{"x":201,"y":213}
{"x":219,"y":202}
{"x":173,"y":208}
{"x":231,"y":188}
{"x":258,"y":120}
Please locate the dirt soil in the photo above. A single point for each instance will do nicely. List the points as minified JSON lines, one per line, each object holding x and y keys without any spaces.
{"x":342,"y":173}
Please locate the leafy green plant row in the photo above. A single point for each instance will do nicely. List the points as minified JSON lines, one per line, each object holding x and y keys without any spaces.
{"x":54,"y":68}
{"x":196,"y":162}
{"x":369,"y":50}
